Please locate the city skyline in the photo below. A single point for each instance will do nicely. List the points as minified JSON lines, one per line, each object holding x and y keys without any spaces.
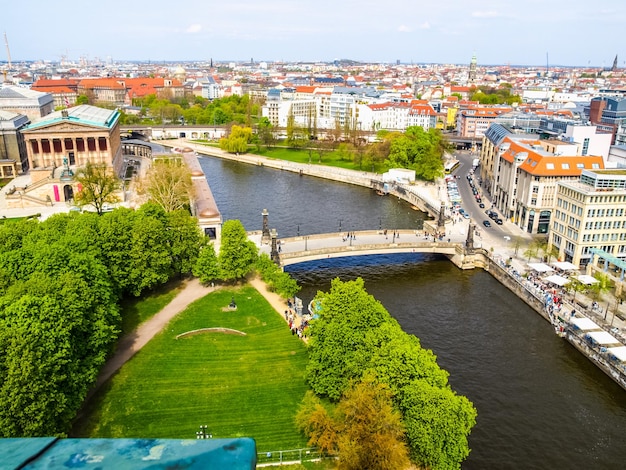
{"x":496,"y":32}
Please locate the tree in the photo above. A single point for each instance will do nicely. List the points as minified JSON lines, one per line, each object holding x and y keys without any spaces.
{"x":237,"y":253}
{"x":207,"y":267}
{"x":150,"y":255}
{"x":276,"y":279}
{"x":99,"y":186}
{"x":82,"y":99}
{"x":168,"y":184}
{"x":354,"y":337}
{"x":574,"y":286}
{"x":237,"y":141}
{"x":437,"y":424}
{"x":184,"y":241}
{"x":604,"y":285}
{"x":364,"y":431}
{"x":419,"y":150}
{"x":265,"y":132}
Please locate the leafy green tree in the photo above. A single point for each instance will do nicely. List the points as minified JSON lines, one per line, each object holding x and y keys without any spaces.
{"x":99,"y":184}
{"x":151,"y":262}
{"x":237,"y":141}
{"x":265,"y":132}
{"x":184,"y":240}
{"x":207,"y":267}
{"x":355,"y":336}
{"x":437,"y":424}
{"x":276,"y":279}
{"x":574,"y":286}
{"x":115,"y":240}
{"x":82,"y":99}
{"x":237,"y":253}
{"x":419,"y":150}
{"x":604,"y":285}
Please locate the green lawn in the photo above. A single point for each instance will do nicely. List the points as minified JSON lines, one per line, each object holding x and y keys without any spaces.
{"x":236,"y":385}
{"x":136,"y":310}
{"x":329,"y":158}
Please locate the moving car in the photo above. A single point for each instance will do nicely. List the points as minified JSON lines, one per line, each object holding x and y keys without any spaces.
{"x":486,"y":223}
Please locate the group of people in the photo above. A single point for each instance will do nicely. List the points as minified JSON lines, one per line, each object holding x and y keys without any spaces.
{"x":292,"y":317}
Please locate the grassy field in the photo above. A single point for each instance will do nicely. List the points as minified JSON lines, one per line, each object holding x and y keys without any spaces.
{"x":236,"y":385}
{"x":136,"y":310}
{"x":329,"y":158}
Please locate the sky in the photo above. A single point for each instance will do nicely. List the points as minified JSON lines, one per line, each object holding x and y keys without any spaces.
{"x":515,"y":32}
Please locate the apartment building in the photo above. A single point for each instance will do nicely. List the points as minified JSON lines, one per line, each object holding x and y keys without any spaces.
{"x":474,"y":121}
{"x":590,"y":219}
{"x":526,"y":175}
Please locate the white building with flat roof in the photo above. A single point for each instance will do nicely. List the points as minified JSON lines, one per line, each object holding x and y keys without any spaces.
{"x":590,"y":216}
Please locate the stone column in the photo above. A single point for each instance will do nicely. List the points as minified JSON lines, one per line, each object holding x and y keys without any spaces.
{"x":441,"y":221}
{"x":265,"y":236}
{"x":469,"y":242}
{"x":274,"y":252}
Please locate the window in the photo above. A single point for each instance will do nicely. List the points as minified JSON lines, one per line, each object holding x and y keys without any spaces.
{"x":550,"y":166}
{"x":565,"y":166}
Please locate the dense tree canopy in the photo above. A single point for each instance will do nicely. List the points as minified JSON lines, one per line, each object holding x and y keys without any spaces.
{"x":237,"y":253}
{"x":355,"y":336}
{"x":491,"y":95}
{"x":237,"y":141}
{"x":417,"y":150}
{"x":60,"y":283}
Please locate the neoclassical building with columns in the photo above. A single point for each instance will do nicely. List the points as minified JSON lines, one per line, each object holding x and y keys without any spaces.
{"x":61,"y":142}
{"x":80,"y":134}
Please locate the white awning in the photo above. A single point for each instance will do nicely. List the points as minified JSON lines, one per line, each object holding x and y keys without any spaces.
{"x":540,"y":267}
{"x":602,"y":337}
{"x":558,"y":280}
{"x":619,"y":352}
{"x":587,"y":279}
{"x":584,"y":323}
{"x":565,"y":266}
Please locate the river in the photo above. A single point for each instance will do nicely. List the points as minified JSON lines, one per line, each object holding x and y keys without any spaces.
{"x":541,"y":404}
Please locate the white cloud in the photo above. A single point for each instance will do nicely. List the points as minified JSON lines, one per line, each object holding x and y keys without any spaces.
{"x":425,"y":25}
{"x":194,"y":28}
{"x":404,"y":28}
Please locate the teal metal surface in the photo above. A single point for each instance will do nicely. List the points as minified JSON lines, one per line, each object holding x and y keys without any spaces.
{"x":120,"y":454}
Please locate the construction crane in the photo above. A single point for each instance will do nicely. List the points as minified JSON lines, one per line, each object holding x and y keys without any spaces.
{"x":6,"y":43}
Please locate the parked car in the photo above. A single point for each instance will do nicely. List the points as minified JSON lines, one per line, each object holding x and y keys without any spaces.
{"x":481,"y":205}
{"x":486,"y":223}
{"x":499,"y":221}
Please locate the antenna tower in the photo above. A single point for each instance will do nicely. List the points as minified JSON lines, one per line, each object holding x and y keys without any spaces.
{"x":6,"y":42}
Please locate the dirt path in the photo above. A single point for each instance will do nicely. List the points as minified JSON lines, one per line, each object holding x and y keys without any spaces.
{"x":133,"y":342}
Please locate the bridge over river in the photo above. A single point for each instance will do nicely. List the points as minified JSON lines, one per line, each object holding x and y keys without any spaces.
{"x":300,"y":249}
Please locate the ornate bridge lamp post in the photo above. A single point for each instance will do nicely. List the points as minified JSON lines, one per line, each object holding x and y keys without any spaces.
{"x":265,"y":236}
{"x":441,"y":221}
{"x":274,"y":255}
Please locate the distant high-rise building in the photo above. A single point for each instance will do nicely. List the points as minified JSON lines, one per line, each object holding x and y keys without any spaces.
{"x":472,"y":70}
{"x":614,"y":68}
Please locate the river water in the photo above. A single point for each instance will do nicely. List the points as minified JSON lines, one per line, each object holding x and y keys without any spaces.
{"x":541,"y":404}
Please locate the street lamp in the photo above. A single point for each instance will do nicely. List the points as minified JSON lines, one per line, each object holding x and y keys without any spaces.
{"x":380,"y":223}
{"x":306,"y":239}
{"x":340,"y":220}
{"x":298,"y":230}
